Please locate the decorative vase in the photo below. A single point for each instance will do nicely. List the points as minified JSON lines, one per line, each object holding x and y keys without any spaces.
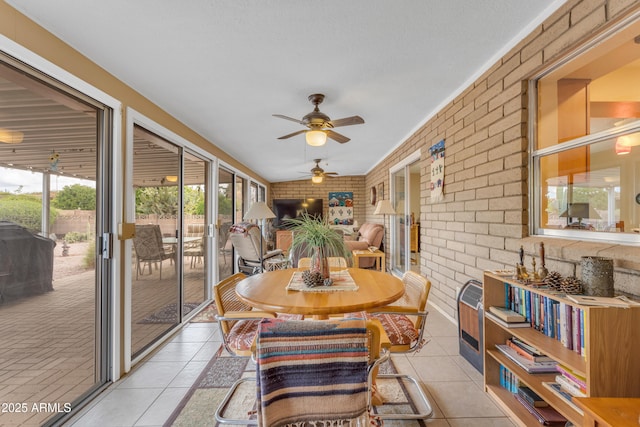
{"x":320,"y":263}
{"x":597,"y":276}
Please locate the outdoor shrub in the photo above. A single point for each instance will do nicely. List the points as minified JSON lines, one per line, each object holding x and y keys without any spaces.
{"x":74,"y":236}
{"x":25,"y":210}
{"x":89,"y":260}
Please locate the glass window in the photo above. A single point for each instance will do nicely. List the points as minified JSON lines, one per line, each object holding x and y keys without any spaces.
{"x":586,"y":153}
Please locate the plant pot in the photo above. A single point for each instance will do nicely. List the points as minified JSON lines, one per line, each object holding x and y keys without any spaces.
{"x":320,"y":263}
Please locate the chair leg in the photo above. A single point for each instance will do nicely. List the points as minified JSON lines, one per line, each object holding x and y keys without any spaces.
{"x":420,"y":392}
{"x":225,"y":402}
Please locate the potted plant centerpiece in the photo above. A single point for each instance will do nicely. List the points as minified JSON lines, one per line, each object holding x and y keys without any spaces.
{"x":313,"y":237}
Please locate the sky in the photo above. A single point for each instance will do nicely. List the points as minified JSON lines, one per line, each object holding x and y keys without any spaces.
{"x":12,"y":179}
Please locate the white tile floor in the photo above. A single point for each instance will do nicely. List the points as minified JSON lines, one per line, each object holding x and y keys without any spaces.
{"x":150,"y":393}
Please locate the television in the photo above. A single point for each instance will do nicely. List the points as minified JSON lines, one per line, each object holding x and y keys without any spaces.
{"x":294,"y":208}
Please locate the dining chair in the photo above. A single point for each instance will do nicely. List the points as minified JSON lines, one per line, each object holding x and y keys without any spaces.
{"x":237,"y":321}
{"x":313,"y":373}
{"x":149,"y":248}
{"x":404,"y":323}
{"x":334,"y":261}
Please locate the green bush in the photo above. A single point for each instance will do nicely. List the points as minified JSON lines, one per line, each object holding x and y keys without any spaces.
{"x":25,"y":210}
{"x":74,"y":236}
{"x":75,"y":196}
{"x":89,"y":260}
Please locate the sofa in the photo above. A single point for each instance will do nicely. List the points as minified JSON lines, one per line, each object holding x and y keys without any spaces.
{"x":369,"y":234}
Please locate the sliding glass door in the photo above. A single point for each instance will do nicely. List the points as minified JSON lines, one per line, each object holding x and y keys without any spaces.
{"x":55,"y":204}
{"x":224,"y":222}
{"x":405,"y":225}
{"x":155,"y":281}
{"x":195,"y":231}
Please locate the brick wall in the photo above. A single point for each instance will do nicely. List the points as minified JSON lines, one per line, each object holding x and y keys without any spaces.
{"x":305,"y":189}
{"x":482,"y":220}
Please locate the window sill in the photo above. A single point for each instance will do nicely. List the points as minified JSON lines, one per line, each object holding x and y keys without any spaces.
{"x":564,"y":256}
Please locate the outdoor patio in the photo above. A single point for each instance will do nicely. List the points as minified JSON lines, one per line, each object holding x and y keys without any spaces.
{"x":48,"y":341}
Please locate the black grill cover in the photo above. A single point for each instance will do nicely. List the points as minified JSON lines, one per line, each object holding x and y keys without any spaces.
{"x":26,"y":262}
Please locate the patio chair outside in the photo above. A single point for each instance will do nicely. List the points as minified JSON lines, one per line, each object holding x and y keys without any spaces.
{"x":149,"y":249}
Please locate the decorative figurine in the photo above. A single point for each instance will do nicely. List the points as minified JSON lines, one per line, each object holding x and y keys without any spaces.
{"x":543,"y":272}
{"x":521,"y":270}
{"x":521,"y":255}
{"x":536,"y":277}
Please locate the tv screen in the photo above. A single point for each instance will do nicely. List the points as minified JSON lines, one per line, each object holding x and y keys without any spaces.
{"x":294,"y":208}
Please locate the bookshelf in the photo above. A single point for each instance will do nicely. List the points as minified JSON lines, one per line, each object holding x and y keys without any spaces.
{"x":610,"y":349}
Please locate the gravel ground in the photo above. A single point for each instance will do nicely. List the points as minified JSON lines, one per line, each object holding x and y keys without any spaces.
{"x":64,"y":266}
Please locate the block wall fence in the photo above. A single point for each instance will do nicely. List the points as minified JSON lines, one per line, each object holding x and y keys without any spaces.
{"x":483,"y":219}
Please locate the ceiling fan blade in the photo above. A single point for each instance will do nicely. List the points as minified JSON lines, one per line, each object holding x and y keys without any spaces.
{"x":331,"y":173}
{"x":289,"y":118}
{"x":292,"y":134}
{"x":347,"y":121}
{"x":337,"y":137}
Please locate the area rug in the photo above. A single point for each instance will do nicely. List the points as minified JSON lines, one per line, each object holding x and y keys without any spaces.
{"x":169,"y":313}
{"x":207,"y":315}
{"x":199,"y":405}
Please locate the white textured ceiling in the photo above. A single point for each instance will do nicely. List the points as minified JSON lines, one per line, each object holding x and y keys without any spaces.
{"x":223,"y":67}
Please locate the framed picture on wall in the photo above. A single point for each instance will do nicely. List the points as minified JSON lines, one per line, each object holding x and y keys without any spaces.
{"x":381,"y":191}
{"x":372,"y":196}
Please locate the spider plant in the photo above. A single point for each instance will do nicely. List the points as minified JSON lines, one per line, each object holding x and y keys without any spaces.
{"x":314,"y":237}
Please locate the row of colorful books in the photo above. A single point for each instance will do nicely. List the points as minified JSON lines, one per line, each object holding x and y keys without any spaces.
{"x":553,"y":318}
{"x":531,"y":401}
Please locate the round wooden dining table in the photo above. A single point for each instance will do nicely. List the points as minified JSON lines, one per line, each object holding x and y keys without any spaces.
{"x":268,"y":292}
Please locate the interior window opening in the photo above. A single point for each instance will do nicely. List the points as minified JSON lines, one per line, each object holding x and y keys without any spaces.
{"x":587,"y":141}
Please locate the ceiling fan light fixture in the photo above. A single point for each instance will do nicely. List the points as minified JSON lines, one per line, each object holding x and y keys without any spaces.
{"x":316,"y":138}
{"x":171,"y":178}
{"x":11,"y":136}
{"x":317,"y":179}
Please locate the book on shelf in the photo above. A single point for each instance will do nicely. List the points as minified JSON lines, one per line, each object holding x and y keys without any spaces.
{"x":545,"y":415}
{"x":526,"y":364}
{"x":603,"y":301}
{"x":578,"y":380}
{"x":532,"y":397}
{"x":499,"y":321}
{"x":557,"y":319}
{"x":506,"y":314}
{"x":526,"y":346}
{"x":567,"y":398}
{"x":509,"y":380}
{"x":533,"y":355}
{"x":569,"y":387}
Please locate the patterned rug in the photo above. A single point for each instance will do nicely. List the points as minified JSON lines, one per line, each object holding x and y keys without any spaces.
{"x":169,"y":313}
{"x":199,"y":405}
{"x":207,"y":315}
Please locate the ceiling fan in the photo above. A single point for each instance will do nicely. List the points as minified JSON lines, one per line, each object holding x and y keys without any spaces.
{"x":318,"y":174}
{"x":320,"y":125}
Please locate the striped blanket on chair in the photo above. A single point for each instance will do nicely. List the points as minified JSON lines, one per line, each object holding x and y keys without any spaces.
{"x":312,"y":373}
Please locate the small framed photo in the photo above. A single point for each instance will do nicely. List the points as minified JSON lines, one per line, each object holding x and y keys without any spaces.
{"x":381,"y":191}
